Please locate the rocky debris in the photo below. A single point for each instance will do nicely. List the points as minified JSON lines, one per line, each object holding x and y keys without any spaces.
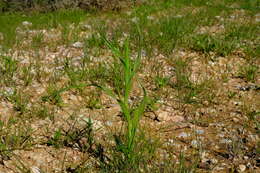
{"x":168,"y":117}
{"x":35,"y":169}
{"x":78,"y":44}
{"x":26,"y":24}
{"x":248,"y":87}
{"x":184,"y":135}
{"x":242,"y":168}
{"x":85,"y":27}
{"x":211,"y":29}
{"x":199,"y":131}
{"x":113,"y":109}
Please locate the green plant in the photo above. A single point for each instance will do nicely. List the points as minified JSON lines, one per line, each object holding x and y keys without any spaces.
{"x":182,"y":166}
{"x":93,"y":100}
{"x":10,"y":22}
{"x":8,"y":68}
{"x":77,"y":135}
{"x":161,"y":82}
{"x":41,"y":111}
{"x":189,"y":91}
{"x":69,"y":33}
{"x":126,"y":69}
{"x":206,"y":43}
{"x":56,"y":140}
{"x":18,"y":99}
{"x":27,"y":75}
{"x":5,"y":154}
{"x":144,"y":153}
{"x":94,"y":41}
{"x":252,"y":5}
{"x":37,"y":40}
{"x":14,"y":136}
{"x":167,"y":33}
{"x":231,"y":94}
{"x":54,"y":95}
{"x":249,"y":72}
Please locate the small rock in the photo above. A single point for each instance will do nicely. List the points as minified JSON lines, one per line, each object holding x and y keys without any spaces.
{"x":178,"y":16}
{"x":73,"y":97}
{"x":25,"y":61}
{"x":253,"y":138}
{"x":204,"y":157}
{"x":86,"y":27}
{"x":235,"y":120}
{"x":163,"y":115}
{"x":214,"y":161}
{"x":237,"y":103}
{"x":114,"y":110}
{"x":225,"y":141}
{"x":232,"y":17}
{"x":9,"y":91}
{"x":134,"y":19}
{"x":242,"y":168}
{"x":109,"y":123}
{"x":177,"y":119}
{"x":195,"y":143}
{"x":218,"y":168}
{"x":199,"y":132}
{"x":183,"y":135}
{"x":26,"y":24}
{"x":96,"y":124}
{"x":167,"y":116}
{"x":35,"y":169}
{"x":248,"y":165}
{"x":206,"y":103}
{"x":78,"y":44}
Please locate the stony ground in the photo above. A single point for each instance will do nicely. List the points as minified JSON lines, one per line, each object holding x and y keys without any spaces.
{"x":203,"y":105}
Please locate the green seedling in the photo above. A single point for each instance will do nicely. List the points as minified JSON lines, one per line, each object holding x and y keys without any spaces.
{"x":73,"y":137}
{"x":8,"y":68}
{"x":161,"y":82}
{"x":189,"y":91}
{"x":167,"y":33}
{"x":54,"y":95}
{"x":27,"y":75}
{"x":126,"y":71}
{"x":41,"y":112}
{"x":206,"y":43}
{"x":37,"y":40}
{"x":19,"y":100}
{"x":56,"y":140}
{"x":93,"y":101}
{"x":249,"y":72}
{"x":13,"y":136}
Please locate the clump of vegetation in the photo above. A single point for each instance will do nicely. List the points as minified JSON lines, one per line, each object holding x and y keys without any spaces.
{"x":249,"y":72}
{"x":125,"y":69}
